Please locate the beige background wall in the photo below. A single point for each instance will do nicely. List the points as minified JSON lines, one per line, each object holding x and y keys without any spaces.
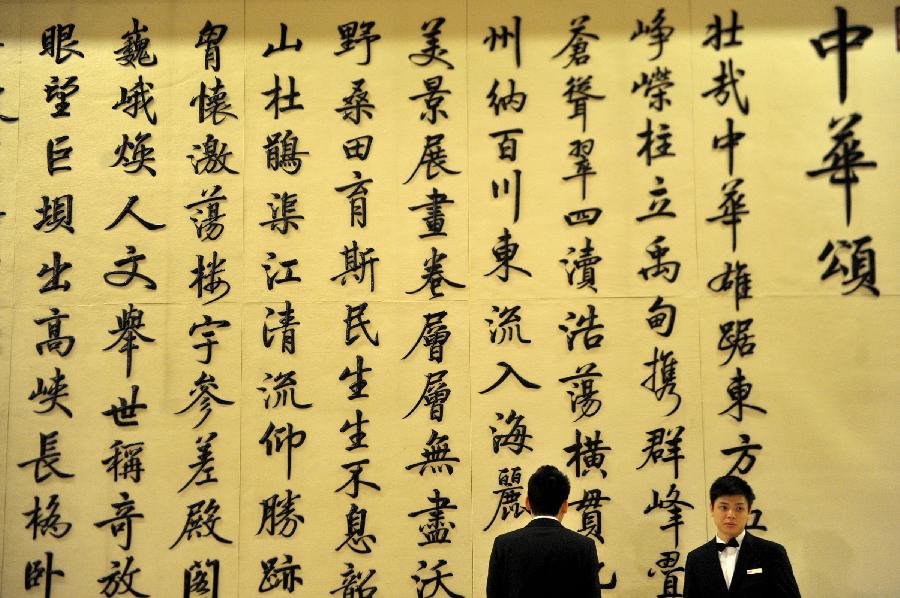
{"x":824,"y":365}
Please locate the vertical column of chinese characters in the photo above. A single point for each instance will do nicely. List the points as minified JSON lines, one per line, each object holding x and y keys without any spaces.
{"x":736,"y":343}
{"x":206,"y":406}
{"x":357,"y":42}
{"x":850,"y":260}
{"x":663,"y":447}
{"x":46,"y":521}
{"x":581,"y":261}
{"x":433,"y":203}
{"x":132,"y":276}
{"x":357,"y":578}
{"x":581,"y":327}
{"x":134,"y":158}
{"x":434,"y":163}
{"x":505,"y":102}
{"x":277,"y":412}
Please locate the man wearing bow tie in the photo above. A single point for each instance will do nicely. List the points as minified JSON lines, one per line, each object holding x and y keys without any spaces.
{"x":736,"y":564}
{"x":544,"y":559}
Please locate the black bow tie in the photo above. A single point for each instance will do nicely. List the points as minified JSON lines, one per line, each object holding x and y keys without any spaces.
{"x":723,"y":545}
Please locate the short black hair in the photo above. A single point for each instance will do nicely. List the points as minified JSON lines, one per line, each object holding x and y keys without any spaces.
{"x":548,"y":489}
{"x":731,"y":485}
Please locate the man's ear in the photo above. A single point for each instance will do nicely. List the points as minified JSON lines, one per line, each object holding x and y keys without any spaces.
{"x":528,"y":505}
{"x":564,"y":508}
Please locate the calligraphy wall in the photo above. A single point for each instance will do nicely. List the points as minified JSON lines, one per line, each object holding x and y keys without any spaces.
{"x":294,"y":296}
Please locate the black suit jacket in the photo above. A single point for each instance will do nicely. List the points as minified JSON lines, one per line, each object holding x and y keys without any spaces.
{"x":703,"y":576}
{"x":543,"y":560}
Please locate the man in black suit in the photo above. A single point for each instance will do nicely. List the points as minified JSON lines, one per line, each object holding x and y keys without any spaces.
{"x":736,"y":564}
{"x":544,"y":559}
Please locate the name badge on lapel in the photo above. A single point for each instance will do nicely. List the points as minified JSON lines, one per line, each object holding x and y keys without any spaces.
{"x":754,"y":571}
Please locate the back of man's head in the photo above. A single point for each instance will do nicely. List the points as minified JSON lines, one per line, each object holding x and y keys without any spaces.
{"x":730,"y":485}
{"x":548,"y":489}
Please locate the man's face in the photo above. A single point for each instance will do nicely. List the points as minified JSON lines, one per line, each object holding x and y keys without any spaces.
{"x":730,"y":515}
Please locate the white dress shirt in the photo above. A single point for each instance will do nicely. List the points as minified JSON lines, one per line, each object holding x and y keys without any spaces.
{"x":728,"y":557}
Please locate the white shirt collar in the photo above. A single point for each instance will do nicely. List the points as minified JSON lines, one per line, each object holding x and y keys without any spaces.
{"x":544,"y":517}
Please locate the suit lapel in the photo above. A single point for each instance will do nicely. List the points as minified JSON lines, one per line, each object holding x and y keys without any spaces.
{"x":740,"y":567}
{"x":714,"y":566}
